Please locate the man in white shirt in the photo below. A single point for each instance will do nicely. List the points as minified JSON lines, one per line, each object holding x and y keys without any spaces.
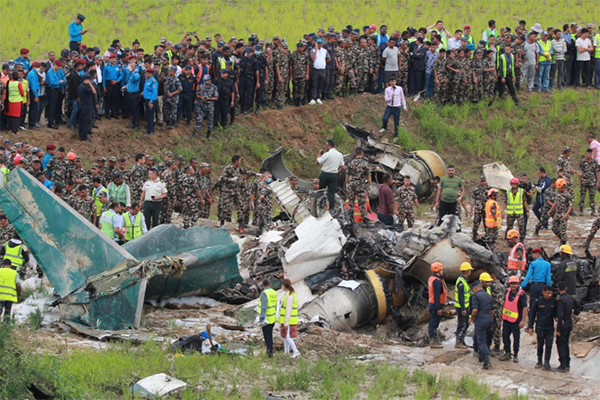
{"x":455,"y":42}
{"x":394,"y":97}
{"x":584,"y":51}
{"x":99,"y":79}
{"x":320,"y":58}
{"x":153,"y":192}
{"x":332,"y":162}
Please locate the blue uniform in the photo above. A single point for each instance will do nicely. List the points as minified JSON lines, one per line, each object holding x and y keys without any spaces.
{"x":54,"y":78}
{"x":112,"y":73}
{"x":75,"y":30}
{"x":25,"y":61}
{"x":539,"y":273}
{"x":34,"y":83}
{"x":484,"y":320}
{"x":150,"y":95}
{"x":132,"y":79}
{"x":55,"y":96}
{"x":113,"y":91}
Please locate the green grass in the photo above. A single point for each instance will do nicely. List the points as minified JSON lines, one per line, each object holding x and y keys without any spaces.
{"x":42,"y":26}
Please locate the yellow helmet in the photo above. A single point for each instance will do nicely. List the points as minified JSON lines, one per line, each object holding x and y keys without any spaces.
{"x":485,"y":277}
{"x":565,"y":248}
{"x":513,"y":233}
{"x":466,"y":267}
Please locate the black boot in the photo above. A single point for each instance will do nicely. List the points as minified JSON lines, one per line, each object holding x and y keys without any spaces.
{"x":486,"y":362}
{"x":208,"y":134}
{"x":195,"y":133}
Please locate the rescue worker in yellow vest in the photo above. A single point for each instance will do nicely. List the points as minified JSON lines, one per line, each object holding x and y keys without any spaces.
{"x":10,"y":289}
{"x":462,"y":295}
{"x":267,"y":307}
{"x":288,"y":318}
{"x":517,"y":259}
{"x":515,"y":207}
{"x":568,"y":271}
{"x":98,"y":188}
{"x":493,"y":218}
{"x":112,"y":223}
{"x":135,"y":224}
{"x":4,"y":171}
{"x":437,"y":299}
{"x":514,"y":312}
{"x":482,"y":316}
{"x":14,"y":250}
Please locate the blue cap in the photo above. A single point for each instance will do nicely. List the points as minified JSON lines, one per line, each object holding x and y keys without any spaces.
{"x":312,"y":34}
{"x":365,"y":27}
{"x":228,"y":63}
{"x":221,"y":44}
{"x":177,"y":46}
{"x":81,"y":17}
{"x":320,"y":40}
{"x":476,"y":283}
{"x":188,"y":67}
{"x":258,"y":47}
{"x":172,"y":68}
{"x":248,"y":50}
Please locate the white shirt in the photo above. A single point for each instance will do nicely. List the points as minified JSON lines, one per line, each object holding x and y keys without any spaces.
{"x":99,"y":75}
{"x":321,"y":58}
{"x":331,"y":161}
{"x":394,"y":97}
{"x":154,"y":188}
{"x":453,"y":44}
{"x":585,"y":56}
{"x":42,"y":91}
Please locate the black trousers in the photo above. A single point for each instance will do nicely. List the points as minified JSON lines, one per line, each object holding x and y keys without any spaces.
{"x":34,"y":112}
{"x":544,"y":338}
{"x":14,"y":123}
{"x":462,"y":325}
{"x":484,"y":336}
{"x":562,"y":345}
{"x":152,"y":212}
{"x":6,"y":305}
{"x":434,"y":321}
{"x":317,"y":82}
{"x":222,"y":110}
{"x":54,"y":106}
{"x":511,"y":328}
{"x":187,"y":104}
{"x":445,"y":209}
{"x":330,"y":79}
{"x":268,"y":335}
{"x":150,"y":118}
{"x":112,"y":99}
{"x":582,"y":71}
{"x":419,"y":81}
{"x":133,"y":101}
{"x":74,"y":46}
{"x":508,"y":82}
{"x":536,"y":290}
{"x":247,"y":86}
{"x":329,"y":180}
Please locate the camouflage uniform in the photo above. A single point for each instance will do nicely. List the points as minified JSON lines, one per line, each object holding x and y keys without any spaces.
{"x":405,"y":196}
{"x":563,"y":165}
{"x":170,"y":178}
{"x":189,"y":185}
{"x":205,"y":185}
{"x":454,"y":79}
{"x":375,"y":57}
{"x":352,"y":76}
{"x":338,"y":86}
{"x":299,"y":63}
{"x":85,"y":207}
{"x":588,"y":183}
{"x":59,"y":170}
{"x":491,"y":234}
{"x":205,"y":108}
{"x":245,"y":198}
{"x":271,"y":74}
{"x":229,"y":184}
{"x":559,"y":224}
{"x":441,"y":88}
{"x":479,"y":198}
{"x":405,"y":61}
{"x":76,"y":174}
{"x":549,"y":195}
{"x":68,"y":68}
{"x":477,"y":87}
{"x":497,"y":292}
{"x":6,"y":234}
{"x":263,"y":210}
{"x":358,"y":172}
{"x":489,"y":79}
{"x":172,"y":84}
{"x":281,"y":88}
{"x":361,"y":65}
{"x":135,"y":179}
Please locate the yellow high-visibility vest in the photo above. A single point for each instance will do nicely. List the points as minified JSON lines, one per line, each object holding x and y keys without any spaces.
{"x":135,"y":230}
{"x":271,"y":305}
{"x":14,"y":255}
{"x":283,"y":312}
{"x":8,"y":285}
{"x":467,"y":293}
{"x":514,"y":203}
{"x":546,"y":49}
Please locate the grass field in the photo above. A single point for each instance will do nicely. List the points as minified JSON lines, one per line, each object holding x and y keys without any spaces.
{"x":42,"y":25}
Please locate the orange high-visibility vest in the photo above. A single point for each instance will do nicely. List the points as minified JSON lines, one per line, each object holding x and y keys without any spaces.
{"x":492,"y":221}
{"x":513,"y":261}
{"x":510,"y":311}
{"x":432,"y":279}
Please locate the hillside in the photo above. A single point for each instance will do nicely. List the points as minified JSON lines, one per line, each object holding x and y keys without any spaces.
{"x":41,"y":26}
{"x":467,"y":136}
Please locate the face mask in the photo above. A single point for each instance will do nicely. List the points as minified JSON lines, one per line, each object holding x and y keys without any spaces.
{"x":257,"y":52}
{"x":269,"y":180}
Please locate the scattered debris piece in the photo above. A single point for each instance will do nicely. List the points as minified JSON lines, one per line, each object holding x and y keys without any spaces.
{"x":156,"y":386}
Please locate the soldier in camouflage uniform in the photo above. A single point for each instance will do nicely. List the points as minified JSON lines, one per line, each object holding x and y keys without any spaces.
{"x":353,"y":51}
{"x":406,"y":196}
{"x":440,"y":76}
{"x":358,"y":179}
{"x":191,"y":197}
{"x":282,"y":75}
{"x":479,"y":198}
{"x":229,"y":184}
{"x":206,"y":96}
{"x":264,"y":202}
{"x":162,"y":166}
{"x":405,"y":62}
{"x":589,"y":181}
{"x":136,"y":177}
{"x":477,"y":78}
{"x":172,"y":89}
{"x":375,"y":62}
{"x":69,"y":68}
{"x":498,"y":292}
{"x":562,"y":208}
{"x":170,"y":177}
{"x":460,"y":83}
{"x":268,"y":94}
{"x":7,"y":231}
{"x":549,"y":199}
{"x":453,"y":71}
{"x":564,"y":170}
{"x":489,"y":75}
{"x":83,"y":203}
{"x":341,"y":73}
{"x":245,"y":197}
{"x":299,"y":64}
{"x":57,"y":168}
{"x":362,"y":67}
{"x":205,"y":188}
{"x":76,"y":172}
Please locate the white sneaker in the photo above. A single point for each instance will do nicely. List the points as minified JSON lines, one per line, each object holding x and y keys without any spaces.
{"x":295,"y":355}
{"x":319,"y":102}
{"x":382,"y":130}
{"x":312,"y":103}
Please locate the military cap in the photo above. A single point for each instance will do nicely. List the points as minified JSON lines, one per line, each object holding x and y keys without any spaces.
{"x":221,"y":44}
{"x":299,"y":44}
{"x":208,"y":38}
{"x":589,"y":25}
{"x":567,"y":149}
{"x":163,"y":40}
{"x":331,"y":29}
{"x":258,"y":47}
{"x":574,"y":24}
{"x":233,"y":38}
{"x":284,"y":46}
{"x":181,"y":158}
{"x":8,"y":141}
{"x":275,"y":37}
{"x":35,"y":150}
{"x":168,"y":154}
{"x":482,"y":178}
{"x":81,"y":17}
{"x":464,"y":39}
{"x":117,"y":175}
{"x":102,"y":194}
{"x":321,"y":30}
{"x":204,"y":165}
{"x":101,"y":159}
{"x":172,"y":68}
{"x":149,"y":157}
{"x":206,"y":78}
{"x":224,"y":71}
{"x":315,"y":180}
{"x":74,"y":53}
{"x":254,"y":35}
{"x":293,"y":178}
{"x":94,"y":166}
{"x":37,"y":161}
{"x":169,"y":163}
{"x":354,"y":33}
{"x":112,"y":158}
{"x":365,"y":27}
{"x":334,"y":35}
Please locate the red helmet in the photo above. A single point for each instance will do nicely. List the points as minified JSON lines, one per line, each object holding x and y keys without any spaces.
{"x":514,"y":180}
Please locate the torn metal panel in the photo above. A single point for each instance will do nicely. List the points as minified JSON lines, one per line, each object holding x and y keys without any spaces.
{"x":158,"y":385}
{"x":290,"y":201}
{"x":280,"y":171}
{"x":208,"y":255}
{"x":497,"y":175}
{"x":68,"y":248}
{"x":320,"y":241}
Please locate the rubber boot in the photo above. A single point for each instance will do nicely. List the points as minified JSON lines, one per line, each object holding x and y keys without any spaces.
{"x":487,"y":363}
{"x":208,"y":134}
{"x":195,"y":134}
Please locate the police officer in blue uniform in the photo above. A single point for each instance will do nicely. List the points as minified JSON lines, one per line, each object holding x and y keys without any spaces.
{"x":113,"y":75}
{"x":76,"y":32}
{"x":150,"y":95}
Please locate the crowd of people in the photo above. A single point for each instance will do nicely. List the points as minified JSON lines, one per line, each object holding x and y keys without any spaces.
{"x":214,"y":79}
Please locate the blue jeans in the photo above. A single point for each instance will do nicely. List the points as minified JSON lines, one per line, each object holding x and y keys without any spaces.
{"x":386,"y":219}
{"x":597,"y":72}
{"x":389,"y":111}
{"x":429,"y":85}
{"x":73,"y":118}
{"x":544,"y":75}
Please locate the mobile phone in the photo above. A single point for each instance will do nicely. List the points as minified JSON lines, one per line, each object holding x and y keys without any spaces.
{"x":152,"y":197}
